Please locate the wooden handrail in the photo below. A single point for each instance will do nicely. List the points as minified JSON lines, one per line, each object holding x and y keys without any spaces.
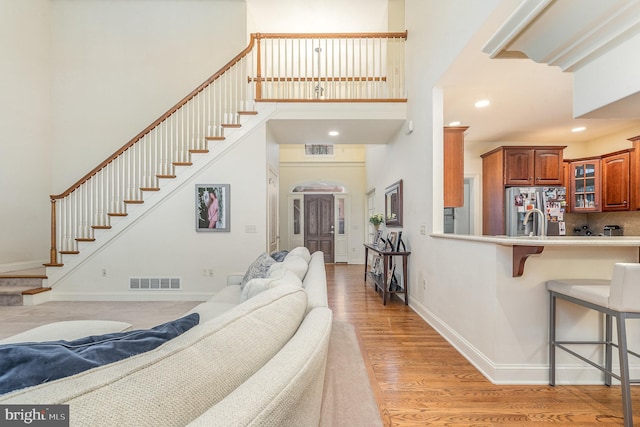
{"x":162,"y":118}
{"x":247,"y":50}
{"x":329,"y":35}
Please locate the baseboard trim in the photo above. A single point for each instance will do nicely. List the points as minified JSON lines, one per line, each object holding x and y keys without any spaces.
{"x":577,"y":373}
{"x":130,"y":296}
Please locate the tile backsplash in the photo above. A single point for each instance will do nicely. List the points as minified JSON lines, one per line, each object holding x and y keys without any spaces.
{"x":629,"y":221}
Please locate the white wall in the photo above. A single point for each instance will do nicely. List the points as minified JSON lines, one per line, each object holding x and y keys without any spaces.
{"x":80,"y":79}
{"x":164,"y":242}
{"x":326,"y":16}
{"x":119,"y":65}
{"x":25,"y":120}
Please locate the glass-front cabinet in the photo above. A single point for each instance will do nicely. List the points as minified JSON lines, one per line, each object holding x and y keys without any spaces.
{"x":585,"y":186}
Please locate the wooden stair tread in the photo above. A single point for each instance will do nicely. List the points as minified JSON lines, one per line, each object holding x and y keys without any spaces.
{"x":247,"y":113}
{"x":198,"y":151}
{"x":214,"y":138}
{"x":69,"y":252}
{"x":85,"y":239}
{"x":231,"y":125}
{"x":165,"y":176}
{"x":35,"y":291}
{"x":117,"y":214}
{"x":101,"y":227}
{"x":182,"y":164}
{"x":149,"y":189}
{"x":134,"y":202}
{"x":51,"y":264}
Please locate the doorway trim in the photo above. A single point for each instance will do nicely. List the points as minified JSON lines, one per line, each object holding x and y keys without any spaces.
{"x":295,"y":214}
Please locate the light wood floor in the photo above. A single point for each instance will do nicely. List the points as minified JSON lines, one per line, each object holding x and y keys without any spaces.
{"x":419,"y":379}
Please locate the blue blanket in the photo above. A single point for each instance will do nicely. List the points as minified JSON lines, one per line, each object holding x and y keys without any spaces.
{"x":28,"y":364}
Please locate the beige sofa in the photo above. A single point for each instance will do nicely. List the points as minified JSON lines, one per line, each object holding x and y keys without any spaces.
{"x":258,"y":362}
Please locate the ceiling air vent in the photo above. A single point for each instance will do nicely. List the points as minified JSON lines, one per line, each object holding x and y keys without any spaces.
{"x":318,"y":149}
{"x":154,"y":283}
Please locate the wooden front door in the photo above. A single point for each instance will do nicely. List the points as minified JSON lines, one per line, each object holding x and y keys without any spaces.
{"x":318,"y":225}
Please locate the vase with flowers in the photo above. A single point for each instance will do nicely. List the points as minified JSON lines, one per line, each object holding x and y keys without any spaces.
{"x":376,"y":219}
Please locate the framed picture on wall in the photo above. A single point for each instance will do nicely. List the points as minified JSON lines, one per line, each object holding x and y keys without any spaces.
{"x":212,"y":207}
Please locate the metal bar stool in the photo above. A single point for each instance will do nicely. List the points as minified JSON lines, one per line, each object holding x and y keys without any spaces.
{"x":617,"y":298}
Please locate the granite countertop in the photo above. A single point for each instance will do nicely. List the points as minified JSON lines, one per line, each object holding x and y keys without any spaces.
{"x":547,"y":240}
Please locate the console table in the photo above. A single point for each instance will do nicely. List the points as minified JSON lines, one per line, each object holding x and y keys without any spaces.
{"x":380,"y":280}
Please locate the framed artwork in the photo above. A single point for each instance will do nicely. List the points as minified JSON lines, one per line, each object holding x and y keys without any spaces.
{"x":391,"y":272}
{"x":376,"y":239}
{"x":377,"y":265}
{"x":212,"y":207}
{"x":391,"y":240}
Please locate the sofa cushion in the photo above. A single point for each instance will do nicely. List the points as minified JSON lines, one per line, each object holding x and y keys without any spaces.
{"x":177,"y":382}
{"x":301,"y":251}
{"x":286,"y":391}
{"x":294,"y":263}
{"x":286,"y":276}
{"x":258,"y":268}
{"x":27,"y":364}
{"x":261,"y":284}
{"x":68,"y":330}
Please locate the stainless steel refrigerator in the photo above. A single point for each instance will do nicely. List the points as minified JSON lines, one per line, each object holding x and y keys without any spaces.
{"x":552,"y":201}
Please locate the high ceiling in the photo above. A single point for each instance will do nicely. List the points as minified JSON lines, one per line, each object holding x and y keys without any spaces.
{"x":530,"y":102}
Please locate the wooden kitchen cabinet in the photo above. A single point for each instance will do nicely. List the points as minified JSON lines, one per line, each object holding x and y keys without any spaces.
{"x":584,"y":186}
{"x":454,"y":166}
{"x":527,"y":166}
{"x":515,"y":166}
{"x":615,"y":182}
{"x":634,"y":173}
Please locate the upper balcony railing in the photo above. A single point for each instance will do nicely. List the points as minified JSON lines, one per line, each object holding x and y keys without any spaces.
{"x":273,"y":67}
{"x":330,"y":67}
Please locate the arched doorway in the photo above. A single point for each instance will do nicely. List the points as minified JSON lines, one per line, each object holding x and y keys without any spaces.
{"x":318,"y":219}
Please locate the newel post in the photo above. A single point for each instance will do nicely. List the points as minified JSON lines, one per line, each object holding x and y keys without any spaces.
{"x":53,"y":253}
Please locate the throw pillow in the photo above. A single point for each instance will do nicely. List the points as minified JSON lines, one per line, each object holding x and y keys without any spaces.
{"x":28,"y":364}
{"x":297,"y":264}
{"x":286,"y":276}
{"x":279,"y":256}
{"x":258,"y":268}
{"x":302,"y":252}
{"x":254,"y":287}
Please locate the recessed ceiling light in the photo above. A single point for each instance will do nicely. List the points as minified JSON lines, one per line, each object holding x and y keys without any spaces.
{"x":483,"y":103}
{"x":456,"y":123}
{"x":334,"y":133}
{"x":578,"y":129}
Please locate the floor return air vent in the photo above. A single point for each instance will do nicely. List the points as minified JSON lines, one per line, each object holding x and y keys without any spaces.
{"x":154,"y":283}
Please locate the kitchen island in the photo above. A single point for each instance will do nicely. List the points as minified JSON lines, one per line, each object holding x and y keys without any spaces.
{"x":525,"y":246}
{"x":498,"y":320}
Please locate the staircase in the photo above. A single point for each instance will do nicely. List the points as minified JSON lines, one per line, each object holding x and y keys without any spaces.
{"x":22,"y":287}
{"x":209,"y":121}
